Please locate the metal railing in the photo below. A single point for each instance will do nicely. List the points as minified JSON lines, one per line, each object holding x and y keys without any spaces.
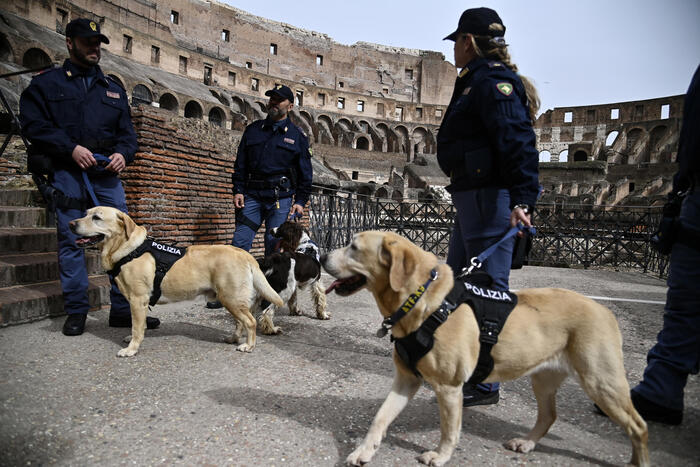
{"x":567,"y":235}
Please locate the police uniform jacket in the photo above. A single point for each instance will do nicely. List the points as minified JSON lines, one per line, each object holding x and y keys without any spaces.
{"x":273,"y":162}
{"x":689,"y":141}
{"x":486,"y":137}
{"x":59,"y":110}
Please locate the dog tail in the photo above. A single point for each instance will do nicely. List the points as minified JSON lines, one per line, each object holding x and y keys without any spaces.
{"x":263,"y":287}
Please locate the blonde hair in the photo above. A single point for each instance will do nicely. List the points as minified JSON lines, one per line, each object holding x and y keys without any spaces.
{"x":497,"y":49}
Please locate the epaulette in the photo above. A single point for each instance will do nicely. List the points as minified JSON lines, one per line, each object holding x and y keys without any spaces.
{"x":495,"y":64}
{"x":111,"y":79}
{"x":52,"y":67}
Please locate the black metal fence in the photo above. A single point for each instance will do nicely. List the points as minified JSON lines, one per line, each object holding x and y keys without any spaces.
{"x":567,"y":235}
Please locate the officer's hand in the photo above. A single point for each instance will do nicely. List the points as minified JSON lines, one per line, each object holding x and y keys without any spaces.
{"x":83,"y":157}
{"x":238,"y":201}
{"x":518,"y":215}
{"x":117,"y":164}
{"x":296,"y":209}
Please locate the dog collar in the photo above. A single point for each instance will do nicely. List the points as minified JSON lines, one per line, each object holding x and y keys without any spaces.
{"x":407,"y":306}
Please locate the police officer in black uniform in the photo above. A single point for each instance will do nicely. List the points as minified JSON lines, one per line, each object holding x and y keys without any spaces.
{"x":676,"y":354}
{"x":69,"y":113}
{"x":272,"y":169}
{"x":486,"y":145}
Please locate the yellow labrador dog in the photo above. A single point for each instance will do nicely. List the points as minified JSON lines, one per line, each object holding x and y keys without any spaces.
{"x":215,"y":271}
{"x":551,"y":333}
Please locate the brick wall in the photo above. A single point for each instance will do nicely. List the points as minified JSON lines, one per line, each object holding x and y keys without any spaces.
{"x":179,"y":186}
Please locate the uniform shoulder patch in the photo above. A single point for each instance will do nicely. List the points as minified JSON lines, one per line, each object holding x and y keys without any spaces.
{"x":504,"y":88}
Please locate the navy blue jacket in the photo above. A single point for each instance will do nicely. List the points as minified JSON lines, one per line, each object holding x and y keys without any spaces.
{"x":58,"y":112}
{"x":689,"y":140}
{"x":269,"y":151}
{"x":486,"y":137}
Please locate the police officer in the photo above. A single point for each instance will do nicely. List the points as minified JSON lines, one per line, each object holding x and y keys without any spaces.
{"x":486,"y":145}
{"x":272,"y":173}
{"x":69,"y":113}
{"x":676,"y":354}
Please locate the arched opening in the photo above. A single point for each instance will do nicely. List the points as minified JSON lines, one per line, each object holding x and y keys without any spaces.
{"x":237,"y":105}
{"x":221,"y":98}
{"x":634,"y":136}
{"x":116,"y":79}
{"x":564,"y":156}
{"x":362,"y":143}
{"x":216,"y":116}
{"x":6,"y":53}
{"x":610,"y":140}
{"x":141,"y":95}
{"x":325,"y":132}
{"x":35,"y":58}
{"x":193,"y":110}
{"x":382,"y":192}
{"x":169,"y":102}
{"x":580,"y":156}
{"x":342,"y":131}
{"x":545,"y":156}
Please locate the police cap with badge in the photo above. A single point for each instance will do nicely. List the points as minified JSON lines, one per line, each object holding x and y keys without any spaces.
{"x":83,"y":27}
{"x":477,"y":21}
{"x":282,"y":91}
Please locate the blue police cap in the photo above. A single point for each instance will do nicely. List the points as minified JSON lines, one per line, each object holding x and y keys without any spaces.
{"x":282,"y":91}
{"x":83,"y":27}
{"x":477,"y":21}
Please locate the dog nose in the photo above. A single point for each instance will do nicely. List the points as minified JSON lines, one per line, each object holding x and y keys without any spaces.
{"x":73,"y":225}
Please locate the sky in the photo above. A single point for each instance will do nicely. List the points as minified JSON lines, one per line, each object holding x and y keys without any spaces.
{"x":576,"y":52}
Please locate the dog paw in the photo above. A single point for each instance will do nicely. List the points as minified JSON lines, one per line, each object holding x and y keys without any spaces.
{"x":127,"y":352}
{"x":294,"y":312}
{"x":245,"y":348}
{"x":432,"y":458}
{"x":271,"y":330}
{"x":520,"y":445}
{"x":230,"y":339}
{"x":359,"y":456}
{"x":324,"y":315}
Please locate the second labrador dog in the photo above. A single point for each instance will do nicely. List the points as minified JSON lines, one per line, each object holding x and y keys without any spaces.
{"x":222,"y":271}
{"x":550,"y":334}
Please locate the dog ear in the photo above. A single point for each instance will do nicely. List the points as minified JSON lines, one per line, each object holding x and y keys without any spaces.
{"x":129,"y":225}
{"x":402,"y":266}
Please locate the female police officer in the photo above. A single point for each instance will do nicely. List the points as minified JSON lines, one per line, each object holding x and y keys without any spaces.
{"x":486,"y":145}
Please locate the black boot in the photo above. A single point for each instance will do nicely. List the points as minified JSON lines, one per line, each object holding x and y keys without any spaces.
{"x":472,"y":395}
{"x":214,"y":305}
{"x":125,"y":322}
{"x":75,"y":324}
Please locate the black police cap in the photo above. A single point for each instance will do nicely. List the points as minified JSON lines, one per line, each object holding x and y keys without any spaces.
{"x":83,"y":27}
{"x":476,"y":21}
{"x":282,"y":91}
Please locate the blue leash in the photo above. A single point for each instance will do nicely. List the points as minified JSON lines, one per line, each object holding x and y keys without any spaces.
{"x":477,"y":261}
{"x":102,"y":162}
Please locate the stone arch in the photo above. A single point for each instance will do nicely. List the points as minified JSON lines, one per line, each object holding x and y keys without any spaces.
{"x":419,"y":141}
{"x":545,"y":156}
{"x":169,"y":102}
{"x":380,"y":137}
{"x":306,"y":122}
{"x":325,"y":129}
{"x":141,"y":94}
{"x":35,"y":58}
{"x":564,"y":156}
{"x":220,"y":97}
{"x":6,"y":52}
{"x":363,"y":126}
{"x":580,"y":156}
{"x":217,"y":117}
{"x":656,"y":136}
{"x":397,"y":195}
{"x":362,"y":142}
{"x":382,"y":192}
{"x":193,"y":110}
{"x":237,"y":105}
{"x":117,"y":80}
{"x":364,"y":190}
{"x":403,"y":143}
{"x":634,"y":137}
{"x":611,"y":138}
{"x":342,"y":131}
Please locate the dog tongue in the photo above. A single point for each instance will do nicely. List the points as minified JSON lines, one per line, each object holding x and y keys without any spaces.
{"x":335,"y":284}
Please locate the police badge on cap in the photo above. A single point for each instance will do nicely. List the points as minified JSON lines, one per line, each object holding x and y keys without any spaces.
{"x":83,"y":27}
{"x":282,"y":91}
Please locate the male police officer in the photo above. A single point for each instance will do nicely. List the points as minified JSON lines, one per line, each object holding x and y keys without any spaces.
{"x":272,"y":168}
{"x":69,"y":113}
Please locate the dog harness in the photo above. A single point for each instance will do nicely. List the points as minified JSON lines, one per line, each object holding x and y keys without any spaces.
{"x":490,"y":307}
{"x":165,"y":256}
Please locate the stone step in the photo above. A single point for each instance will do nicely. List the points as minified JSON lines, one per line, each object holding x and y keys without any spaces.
{"x":25,"y":303}
{"x":20,"y":197}
{"x":20,"y":216}
{"x":29,"y":268}
{"x":26,"y":240}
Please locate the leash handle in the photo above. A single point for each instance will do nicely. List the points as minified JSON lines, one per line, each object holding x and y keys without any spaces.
{"x":477,"y":261}
{"x":102,"y":162}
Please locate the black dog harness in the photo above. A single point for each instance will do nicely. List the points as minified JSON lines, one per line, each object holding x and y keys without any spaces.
{"x":491,"y":309}
{"x":165,"y":256}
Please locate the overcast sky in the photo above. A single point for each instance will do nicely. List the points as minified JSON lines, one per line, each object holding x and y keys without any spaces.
{"x":577,"y":52}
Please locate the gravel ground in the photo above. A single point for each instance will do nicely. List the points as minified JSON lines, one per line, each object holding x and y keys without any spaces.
{"x":305,"y":397}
